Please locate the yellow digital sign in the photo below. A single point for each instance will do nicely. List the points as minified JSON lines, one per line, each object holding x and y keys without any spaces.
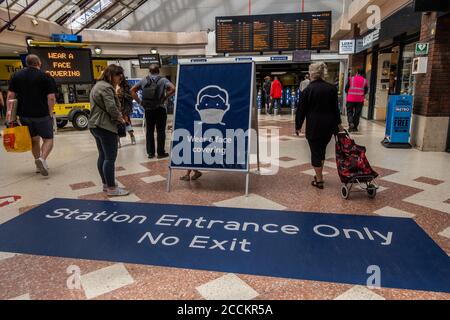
{"x":66,"y":65}
{"x":8,"y":67}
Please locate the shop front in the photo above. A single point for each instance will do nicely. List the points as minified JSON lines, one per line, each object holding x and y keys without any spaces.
{"x":387,"y":54}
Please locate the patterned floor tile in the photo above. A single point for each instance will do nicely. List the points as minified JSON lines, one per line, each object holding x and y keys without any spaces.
{"x":227,"y":287}
{"x":6,"y":255}
{"x":311,"y":172}
{"x":25,"y":296}
{"x":253,"y":201}
{"x":428,"y":180}
{"x":445,"y":233}
{"x":359,"y":293}
{"x":393,"y":212}
{"x":151,"y":179}
{"x":105,"y":280}
{"x":82,"y":185}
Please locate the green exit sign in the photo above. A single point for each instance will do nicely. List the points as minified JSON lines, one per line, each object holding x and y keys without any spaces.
{"x":422,"y":49}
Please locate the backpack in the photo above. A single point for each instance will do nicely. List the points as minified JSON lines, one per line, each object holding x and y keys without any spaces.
{"x":151,"y":98}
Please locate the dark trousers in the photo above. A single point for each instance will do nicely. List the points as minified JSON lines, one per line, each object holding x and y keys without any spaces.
{"x":276,"y":103}
{"x":265,"y":102}
{"x":354,"y":110}
{"x":318,"y":148}
{"x":156,"y":119}
{"x":107,"y":154}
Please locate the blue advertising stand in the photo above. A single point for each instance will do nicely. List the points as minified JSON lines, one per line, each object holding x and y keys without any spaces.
{"x":398,"y":122}
{"x":212,"y":127}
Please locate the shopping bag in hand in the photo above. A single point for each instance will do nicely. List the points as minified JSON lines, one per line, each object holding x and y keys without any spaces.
{"x":17,"y":139}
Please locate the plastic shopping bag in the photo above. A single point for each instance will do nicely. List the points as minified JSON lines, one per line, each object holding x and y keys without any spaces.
{"x":17,"y":139}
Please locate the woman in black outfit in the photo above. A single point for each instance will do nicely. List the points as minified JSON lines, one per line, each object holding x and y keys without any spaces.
{"x":319,"y":106}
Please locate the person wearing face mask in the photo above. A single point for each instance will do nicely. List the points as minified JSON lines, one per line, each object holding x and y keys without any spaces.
{"x":104,"y":118}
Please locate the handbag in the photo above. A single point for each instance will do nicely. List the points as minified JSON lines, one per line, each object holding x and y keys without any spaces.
{"x":16,"y":139}
{"x":121,"y":130}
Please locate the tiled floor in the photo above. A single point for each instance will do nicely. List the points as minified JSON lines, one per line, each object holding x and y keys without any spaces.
{"x":414,"y":185}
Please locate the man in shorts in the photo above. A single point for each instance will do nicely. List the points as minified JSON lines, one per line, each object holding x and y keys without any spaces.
{"x":35,"y":94}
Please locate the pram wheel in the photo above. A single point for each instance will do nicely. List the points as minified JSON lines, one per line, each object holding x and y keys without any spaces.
{"x":345,"y":192}
{"x":371,"y":191}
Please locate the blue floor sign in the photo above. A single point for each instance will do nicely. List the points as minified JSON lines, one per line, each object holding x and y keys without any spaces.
{"x":311,"y":246}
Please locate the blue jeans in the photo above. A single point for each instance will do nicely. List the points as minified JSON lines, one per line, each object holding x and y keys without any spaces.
{"x":107,"y":145}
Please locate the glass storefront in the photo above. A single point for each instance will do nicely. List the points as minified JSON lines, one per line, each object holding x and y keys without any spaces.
{"x":368,"y":76}
{"x":391,"y":75}
{"x":407,"y":78}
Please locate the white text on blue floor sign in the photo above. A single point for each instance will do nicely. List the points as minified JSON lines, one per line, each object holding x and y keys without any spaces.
{"x":174,"y":223}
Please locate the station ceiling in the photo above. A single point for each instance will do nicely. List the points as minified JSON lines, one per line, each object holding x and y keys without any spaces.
{"x":76,"y":14}
{"x":156,"y":15}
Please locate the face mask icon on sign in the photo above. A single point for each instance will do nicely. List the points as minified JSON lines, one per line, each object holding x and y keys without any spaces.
{"x":212,"y":104}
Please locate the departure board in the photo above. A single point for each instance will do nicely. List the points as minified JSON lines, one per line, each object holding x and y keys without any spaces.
{"x":279,"y":32}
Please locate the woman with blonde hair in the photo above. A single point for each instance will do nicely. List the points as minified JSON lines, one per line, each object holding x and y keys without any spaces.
{"x":319,"y":106}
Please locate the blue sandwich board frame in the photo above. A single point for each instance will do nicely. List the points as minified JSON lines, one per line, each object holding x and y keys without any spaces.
{"x":193,"y":78}
{"x":398,"y":121}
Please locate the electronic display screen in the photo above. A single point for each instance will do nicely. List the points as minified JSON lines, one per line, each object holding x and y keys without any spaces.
{"x":278,"y":32}
{"x":66,"y":65}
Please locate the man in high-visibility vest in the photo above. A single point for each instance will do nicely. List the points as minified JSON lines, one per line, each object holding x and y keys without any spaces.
{"x":356,"y":90}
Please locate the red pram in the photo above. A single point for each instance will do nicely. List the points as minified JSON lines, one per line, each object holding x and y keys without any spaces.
{"x":353,"y":166}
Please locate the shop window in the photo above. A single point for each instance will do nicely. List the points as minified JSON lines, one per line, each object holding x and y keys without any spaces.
{"x":393,"y":69}
{"x":368,"y":74}
{"x":408,"y":79}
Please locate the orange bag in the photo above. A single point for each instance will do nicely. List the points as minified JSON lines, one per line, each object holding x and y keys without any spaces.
{"x":17,"y":139}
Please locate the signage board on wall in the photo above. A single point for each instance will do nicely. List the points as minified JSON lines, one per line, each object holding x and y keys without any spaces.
{"x":274,"y":32}
{"x":347,"y":46}
{"x":66,"y":65}
{"x":302,"y":56}
{"x":145,"y":60}
{"x":98,"y":66}
{"x":422,"y":48}
{"x":419,"y":65}
{"x":371,"y":38}
{"x":169,"y":60}
{"x":8,"y":67}
{"x":279,"y":58}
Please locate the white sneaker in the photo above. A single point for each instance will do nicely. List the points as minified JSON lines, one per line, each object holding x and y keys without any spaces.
{"x":117,"y":192}
{"x":105,"y":187}
{"x":42,"y":166}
